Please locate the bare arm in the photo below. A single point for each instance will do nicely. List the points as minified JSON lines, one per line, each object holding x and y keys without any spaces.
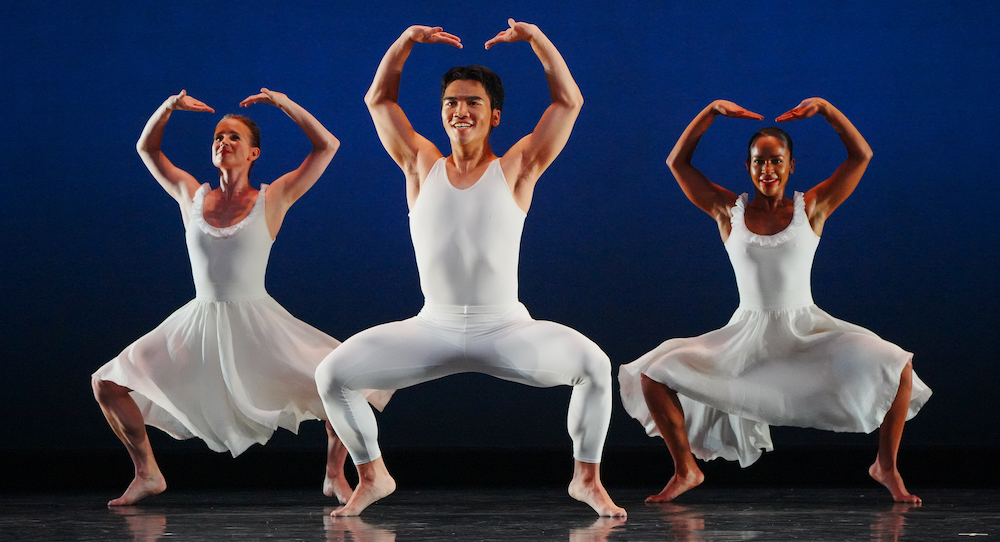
{"x":412,"y":152}
{"x":288,"y":188}
{"x":706,"y":195}
{"x":826,"y":196}
{"x":529,"y":157}
{"x":177,"y":182}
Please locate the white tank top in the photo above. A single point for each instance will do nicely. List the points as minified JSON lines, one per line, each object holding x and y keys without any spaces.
{"x":228,"y":264}
{"x":467,"y":241}
{"x":773,"y":271}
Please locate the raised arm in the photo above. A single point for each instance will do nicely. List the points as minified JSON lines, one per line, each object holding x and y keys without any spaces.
{"x":288,"y":188}
{"x":412,"y":152}
{"x":177,"y":182}
{"x":706,"y":195}
{"x":826,"y":196}
{"x":530,"y":156}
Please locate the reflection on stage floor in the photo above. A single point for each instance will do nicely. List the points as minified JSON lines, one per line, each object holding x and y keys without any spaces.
{"x":507,"y":515}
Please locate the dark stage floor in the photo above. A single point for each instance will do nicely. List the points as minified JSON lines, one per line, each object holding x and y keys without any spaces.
{"x":507,"y":515}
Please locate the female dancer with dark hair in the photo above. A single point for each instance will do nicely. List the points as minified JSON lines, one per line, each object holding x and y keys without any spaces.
{"x":780,"y":360}
{"x":232,"y":365}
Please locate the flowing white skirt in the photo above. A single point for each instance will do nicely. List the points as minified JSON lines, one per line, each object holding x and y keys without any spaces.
{"x":229,"y":373}
{"x":797,"y":367}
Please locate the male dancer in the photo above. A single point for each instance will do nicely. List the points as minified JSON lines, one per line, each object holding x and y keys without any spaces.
{"x":467,"y":211}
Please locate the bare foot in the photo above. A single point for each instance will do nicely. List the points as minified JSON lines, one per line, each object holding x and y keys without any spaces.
{"x":140,"y":488}
{"x":677,"y":485}
{"x":586,"y":487}
{"x":374,"y":483}
{"x":337,"y":486}
{"x":893,"y":482}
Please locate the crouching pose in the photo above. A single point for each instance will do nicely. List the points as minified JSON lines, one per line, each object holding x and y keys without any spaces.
{"x":232,"y":365}
{"x":467,"y":212}
{"x":780,"y":360}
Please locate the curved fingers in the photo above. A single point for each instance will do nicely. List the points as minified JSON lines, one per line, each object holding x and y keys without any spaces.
{"x":806,"y":109}
{"x":256,"y":98}
{"x":183,"y":102}
{"x":444,"y":37}
{"x":730,"y":109}
{"x":434,"y":34}
{"x":267,"y":96}
{"x":518,"y":31}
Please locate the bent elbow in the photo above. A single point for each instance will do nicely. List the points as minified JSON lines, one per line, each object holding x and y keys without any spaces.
{"x":374,"y":98}
{"x":672,"y":159}
{"x":332,"y":144}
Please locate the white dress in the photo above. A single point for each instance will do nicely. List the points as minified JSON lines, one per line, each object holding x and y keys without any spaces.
{"x":779,"y":361}
{"x":232,"y":365}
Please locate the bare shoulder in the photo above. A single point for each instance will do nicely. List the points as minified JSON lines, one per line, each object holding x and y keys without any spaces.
{"x":514,"y":167}
{"x":417,"y":171}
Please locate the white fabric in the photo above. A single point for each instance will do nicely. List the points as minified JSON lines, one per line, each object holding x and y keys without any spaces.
{"x":779,"y":361}
{"x":467,"y":243}
{"x":232,"y":365}
{"x":504,"y":342}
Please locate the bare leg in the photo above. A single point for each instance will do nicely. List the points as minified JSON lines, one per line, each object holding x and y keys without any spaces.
{"x":586,"y":487}
{"x":335,"y":485}
{"x":126,"y":421}
{"x":889,"y":434}
{"x":666,"y":410}
{"x":374,"y":483}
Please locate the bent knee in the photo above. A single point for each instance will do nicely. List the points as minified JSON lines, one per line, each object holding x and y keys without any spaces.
{"x":106,"y":390}
{"x":325,"y":375}
{"x":329,"y":374}
{"x":597,"y":366}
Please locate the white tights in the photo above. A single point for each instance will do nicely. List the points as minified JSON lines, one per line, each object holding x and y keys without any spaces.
{"x":501,"y":341}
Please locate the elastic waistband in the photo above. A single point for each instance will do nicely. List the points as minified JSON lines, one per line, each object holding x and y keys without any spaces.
{"x":223,"y":295}
{"x":453,"y":310}
{"x":768,"y":308}
{"x":789,"y":299}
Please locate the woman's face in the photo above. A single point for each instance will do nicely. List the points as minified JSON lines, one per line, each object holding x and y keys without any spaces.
{"x":770,"y":165}
{"x":232,"y":145}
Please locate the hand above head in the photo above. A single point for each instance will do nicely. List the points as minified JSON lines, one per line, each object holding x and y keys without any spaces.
{"x":266,"y":96}
{"x":806,"y":109}
{"x":432,"y":34}
{"x":183,"y":102}
{"x":517,"y":32}
{"x":729,"y":109}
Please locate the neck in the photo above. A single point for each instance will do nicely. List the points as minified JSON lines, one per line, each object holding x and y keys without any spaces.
{"x":771,"y":203}
{"x":233,"y":183}
{"x":466,"y":158}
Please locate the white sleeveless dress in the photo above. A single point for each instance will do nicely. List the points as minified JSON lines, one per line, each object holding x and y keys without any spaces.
{"x":232,"y":365}
{"x":779,"y":361}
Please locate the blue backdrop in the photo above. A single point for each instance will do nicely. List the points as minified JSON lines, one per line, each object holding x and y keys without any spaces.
{"x":93,"y":251}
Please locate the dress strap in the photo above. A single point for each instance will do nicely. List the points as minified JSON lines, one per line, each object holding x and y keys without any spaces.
{"x":198,"y":214}
{"x":739,"y":225}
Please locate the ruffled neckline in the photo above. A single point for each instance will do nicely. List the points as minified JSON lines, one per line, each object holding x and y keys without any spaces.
{"x":198,"y":214}
{"x":739,"y":225}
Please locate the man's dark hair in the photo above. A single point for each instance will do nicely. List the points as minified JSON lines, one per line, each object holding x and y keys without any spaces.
{"x":489,"y":79}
